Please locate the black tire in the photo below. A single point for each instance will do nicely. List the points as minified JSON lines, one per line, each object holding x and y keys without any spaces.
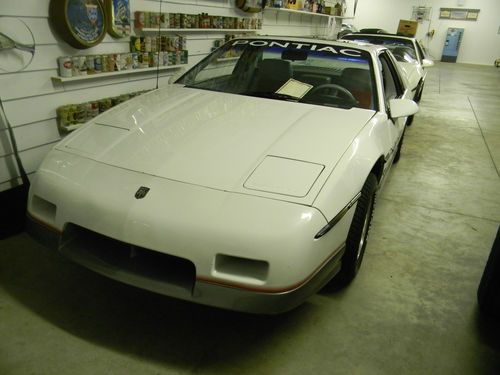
{"x":488,"y":293}
{"x":398,"y":151}
{"x":409,"y":120}
{"x":358,"y":232}
{"x":416,"y":99}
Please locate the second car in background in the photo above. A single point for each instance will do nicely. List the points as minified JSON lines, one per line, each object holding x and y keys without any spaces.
{"x":408,"y":52}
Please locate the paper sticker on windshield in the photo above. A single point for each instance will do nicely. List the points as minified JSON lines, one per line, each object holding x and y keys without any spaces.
{"x":294,"y":88}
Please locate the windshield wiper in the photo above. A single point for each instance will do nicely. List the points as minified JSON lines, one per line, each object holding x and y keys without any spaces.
{"x":272,"y":95}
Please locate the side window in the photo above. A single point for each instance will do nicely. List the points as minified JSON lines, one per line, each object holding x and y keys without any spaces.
{"x":421,"y":51}
{"x":393,"y":87}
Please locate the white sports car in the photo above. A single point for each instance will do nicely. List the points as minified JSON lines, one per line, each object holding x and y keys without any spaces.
{"x":248,"y":184}
{"x":407,"y":51}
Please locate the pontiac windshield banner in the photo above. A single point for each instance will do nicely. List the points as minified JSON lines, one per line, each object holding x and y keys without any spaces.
{"x":302,"y":46}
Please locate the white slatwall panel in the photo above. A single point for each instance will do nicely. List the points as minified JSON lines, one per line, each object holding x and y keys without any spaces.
{"x":31,"y":160}
{"x":13,"y":183}
{"x":31,"y":97}
{"x":43,"y":107}
{"x":30,"y":8}
{"x":30,"y":136}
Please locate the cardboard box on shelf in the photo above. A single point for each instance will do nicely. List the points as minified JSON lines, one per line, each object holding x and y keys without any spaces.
{"x":294,"y":4}
{"x":407,"y":28}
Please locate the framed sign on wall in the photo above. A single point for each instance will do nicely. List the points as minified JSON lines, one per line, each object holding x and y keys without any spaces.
{"x":118,"y":16}
{"x":459,"y":14}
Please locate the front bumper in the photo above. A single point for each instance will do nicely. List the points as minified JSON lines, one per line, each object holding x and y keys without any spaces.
{"x":238,"y":251}
{"x":174,"y":276}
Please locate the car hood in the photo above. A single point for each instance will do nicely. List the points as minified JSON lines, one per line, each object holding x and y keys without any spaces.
{"x":222,"y":141}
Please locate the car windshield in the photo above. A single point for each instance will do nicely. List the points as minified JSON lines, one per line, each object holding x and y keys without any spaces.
{"x":312,"y":73}
{"x":402,"y":49}
{"x":402,"y":53}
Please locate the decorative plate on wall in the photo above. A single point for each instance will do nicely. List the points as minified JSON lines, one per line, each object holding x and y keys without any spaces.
{"x":81,"y":23}
{"x":118,"y":15}
{"x":250,"y":6}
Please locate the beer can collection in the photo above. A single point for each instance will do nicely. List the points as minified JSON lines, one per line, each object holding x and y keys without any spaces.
{"x":71,"y":115}
{"x":144,"y":19}
{"x":146,"y":52}
{"x":141,"y":47}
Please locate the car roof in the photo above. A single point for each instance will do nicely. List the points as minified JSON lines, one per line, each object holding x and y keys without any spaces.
{"x":371,"y":48}
{"x":382,"y":35}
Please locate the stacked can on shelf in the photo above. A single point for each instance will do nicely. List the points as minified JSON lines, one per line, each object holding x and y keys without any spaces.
{"x":157,"y":43}
{"x":73,"y":66}
{"x":92,"y":64}
{"x":162,"y":50}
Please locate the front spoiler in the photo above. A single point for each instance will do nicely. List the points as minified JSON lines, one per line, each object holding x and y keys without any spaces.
{"x":203,"y":291}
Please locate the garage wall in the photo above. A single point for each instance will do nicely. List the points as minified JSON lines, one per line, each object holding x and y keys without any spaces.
{"x":481,"y":42}
{"x":30,"y":97}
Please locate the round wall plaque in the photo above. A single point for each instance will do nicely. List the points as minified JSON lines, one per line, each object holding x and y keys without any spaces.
{"x":81,"y":23}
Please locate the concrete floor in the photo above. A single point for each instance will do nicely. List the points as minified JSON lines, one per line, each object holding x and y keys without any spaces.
{"x":412,"y":309}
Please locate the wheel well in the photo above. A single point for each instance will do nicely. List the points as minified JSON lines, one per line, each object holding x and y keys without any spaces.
{"x":378,"y":168}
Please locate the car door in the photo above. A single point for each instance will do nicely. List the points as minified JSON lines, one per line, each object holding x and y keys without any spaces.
{"x":392,"y":88}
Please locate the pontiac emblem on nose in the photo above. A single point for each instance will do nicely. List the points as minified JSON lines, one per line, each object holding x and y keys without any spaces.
{"x":141,"y":192}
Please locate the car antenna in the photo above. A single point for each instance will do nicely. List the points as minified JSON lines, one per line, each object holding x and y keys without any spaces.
{"x":158,"y":46}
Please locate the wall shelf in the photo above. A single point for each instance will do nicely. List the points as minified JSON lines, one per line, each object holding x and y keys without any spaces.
{"x":301,"y":12}
{"x":114,"y":74}
{"x":153,"y":30}
{"x":327,"y":28}
{"x":227,"y":59}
